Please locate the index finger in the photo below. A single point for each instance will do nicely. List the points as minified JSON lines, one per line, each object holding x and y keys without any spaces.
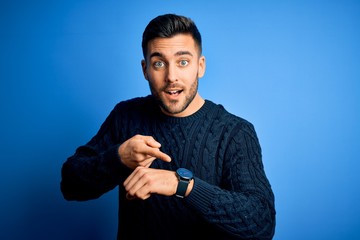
{"x":150,"y":141}
{"x":155,"y":152}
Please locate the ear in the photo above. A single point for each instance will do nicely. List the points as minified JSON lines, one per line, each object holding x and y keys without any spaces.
{"x":202,"y":67}
{"x":143,"y":66}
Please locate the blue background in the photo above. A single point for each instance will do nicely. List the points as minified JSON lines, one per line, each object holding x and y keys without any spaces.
{"x":292,"y":68}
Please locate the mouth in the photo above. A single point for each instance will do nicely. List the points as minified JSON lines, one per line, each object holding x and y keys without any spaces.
{"x":174,"y":92}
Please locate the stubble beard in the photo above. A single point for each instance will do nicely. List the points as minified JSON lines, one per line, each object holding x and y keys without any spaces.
{"x":174,"y":107}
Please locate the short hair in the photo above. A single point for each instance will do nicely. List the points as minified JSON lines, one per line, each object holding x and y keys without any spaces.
{"x":169,"y":25}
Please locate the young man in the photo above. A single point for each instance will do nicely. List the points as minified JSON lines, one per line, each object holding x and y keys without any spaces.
{"x":184,"y":165}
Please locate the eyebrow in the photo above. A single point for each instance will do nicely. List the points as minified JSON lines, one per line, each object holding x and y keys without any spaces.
{"x":179,"y":53}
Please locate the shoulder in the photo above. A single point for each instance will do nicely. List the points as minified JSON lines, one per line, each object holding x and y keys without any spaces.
{"x":137,"y":102}
{"x":132,"y":109}
{"x":220,"y":111}
{"x":136,"y":105}
{"x":231,"y":121}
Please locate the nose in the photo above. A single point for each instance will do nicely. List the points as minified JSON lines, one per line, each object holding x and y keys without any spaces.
{"x":171,"y":73}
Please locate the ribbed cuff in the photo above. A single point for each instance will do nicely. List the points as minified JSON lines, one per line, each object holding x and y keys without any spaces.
{"x":201,"y":196}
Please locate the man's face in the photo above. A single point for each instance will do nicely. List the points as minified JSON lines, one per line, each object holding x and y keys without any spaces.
{"x":172,"y":68}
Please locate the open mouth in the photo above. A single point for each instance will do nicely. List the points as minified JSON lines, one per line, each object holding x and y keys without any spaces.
{"x":174,"y":92}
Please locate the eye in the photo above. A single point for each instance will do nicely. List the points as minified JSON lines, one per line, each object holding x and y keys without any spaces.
{"x":184,"y":63}
{"x":159,"y":64}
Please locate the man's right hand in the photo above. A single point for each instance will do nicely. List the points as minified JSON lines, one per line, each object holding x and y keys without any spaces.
{"x":141,"y":151}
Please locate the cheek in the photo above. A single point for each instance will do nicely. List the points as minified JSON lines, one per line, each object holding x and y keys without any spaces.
{"x":155,"y":77}
{"x":156,"y":80}
{"x":191,"y":73}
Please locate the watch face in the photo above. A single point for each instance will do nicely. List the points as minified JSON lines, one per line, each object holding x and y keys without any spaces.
{"x":184,"y":173}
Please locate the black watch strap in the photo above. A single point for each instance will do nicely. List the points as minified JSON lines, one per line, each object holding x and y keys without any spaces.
{"x":181,"y":188}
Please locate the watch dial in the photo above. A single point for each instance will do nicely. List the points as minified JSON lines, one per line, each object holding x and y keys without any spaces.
{"x":184,"y":173}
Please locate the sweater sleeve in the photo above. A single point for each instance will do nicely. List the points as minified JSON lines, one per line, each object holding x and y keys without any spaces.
{"x":243,"y":206}
{"x":95,"y":168}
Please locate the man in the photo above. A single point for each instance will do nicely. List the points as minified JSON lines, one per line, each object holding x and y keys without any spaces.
{"x":184,"y":165}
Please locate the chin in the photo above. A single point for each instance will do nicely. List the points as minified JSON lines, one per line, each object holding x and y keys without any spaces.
{"x":171,"y":109}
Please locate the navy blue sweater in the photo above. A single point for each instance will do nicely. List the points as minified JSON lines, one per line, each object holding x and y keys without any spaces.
{"x":231,"y":197}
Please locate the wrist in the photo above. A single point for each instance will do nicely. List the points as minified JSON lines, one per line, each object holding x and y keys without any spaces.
{"x":190,"y":187}
{"x":185,"y":182}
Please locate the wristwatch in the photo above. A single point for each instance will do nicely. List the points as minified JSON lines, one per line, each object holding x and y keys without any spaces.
{"x":185,"y":176}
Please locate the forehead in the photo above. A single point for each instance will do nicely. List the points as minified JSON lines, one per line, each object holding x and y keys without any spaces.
{"x":171,"y":46}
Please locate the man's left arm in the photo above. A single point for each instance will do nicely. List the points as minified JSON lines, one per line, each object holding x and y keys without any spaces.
{"x":244,"y":204}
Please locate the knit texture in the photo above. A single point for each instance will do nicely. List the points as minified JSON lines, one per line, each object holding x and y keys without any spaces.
{"x":231,"y":198}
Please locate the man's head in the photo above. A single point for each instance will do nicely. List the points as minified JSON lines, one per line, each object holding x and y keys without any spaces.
{"x":173,"y":63}
{"x":169,"y":25}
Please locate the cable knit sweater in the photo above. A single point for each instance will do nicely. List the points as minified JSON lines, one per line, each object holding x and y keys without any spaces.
{"x":231,"y":197}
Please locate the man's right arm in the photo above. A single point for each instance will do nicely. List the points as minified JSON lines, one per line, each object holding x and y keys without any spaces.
{"x":95,"y":167}
{"x":88,"y":173}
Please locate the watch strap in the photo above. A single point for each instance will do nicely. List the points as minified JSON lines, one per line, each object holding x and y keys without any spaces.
{"x":181,"y":188}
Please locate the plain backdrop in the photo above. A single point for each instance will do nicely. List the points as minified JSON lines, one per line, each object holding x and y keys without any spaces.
{"x":292,"y":68}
